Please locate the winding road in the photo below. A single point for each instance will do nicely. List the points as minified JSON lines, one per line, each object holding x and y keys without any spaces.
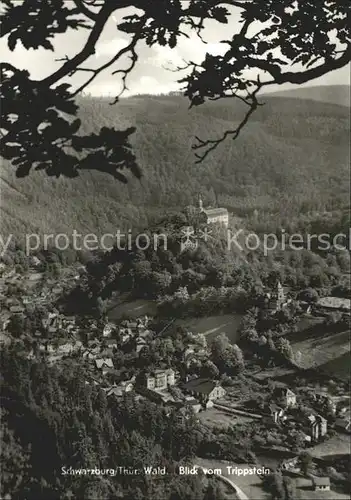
{"x":224,"y":477}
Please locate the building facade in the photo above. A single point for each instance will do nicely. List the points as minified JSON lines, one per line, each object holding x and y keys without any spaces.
{"x":213,"y":215}
{"x":160,"y":379}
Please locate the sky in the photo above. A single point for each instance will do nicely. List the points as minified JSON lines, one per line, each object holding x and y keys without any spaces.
{"x":152,"y":73}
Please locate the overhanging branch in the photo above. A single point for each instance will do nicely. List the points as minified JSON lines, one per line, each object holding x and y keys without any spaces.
{"x":84,"y":10}
{"x":211,"y":144}
{"x":88,"y":50}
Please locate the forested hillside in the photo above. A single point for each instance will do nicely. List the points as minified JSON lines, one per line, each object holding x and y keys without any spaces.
{"x":291,"y":158}
{"x":333,"y":94}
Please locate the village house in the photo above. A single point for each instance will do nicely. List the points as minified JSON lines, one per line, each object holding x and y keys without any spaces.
{"x":47,"y":347}
{"x":315,"y":483}
{"x":140,"y":344}
{"x":325,"y":399}
{"x":276,"y":413}
{"x":17,"y":309}
{"x":184,"y":409}
{"x":132,"y":325}
{"x":321,"y":483}
{"x":205,"y":390}
{"x":91,"y":353}
{"x":52,"y":323}
{"x":289,"y":463}
{"x":69,"y":347}
{"x":26,"y":299}
{"x":120,"y":389}
{"x":192,"y":353}
{"x":60,"y":347}
{"x":142,"y":322}
{"x":317,"y":427}
{"x":160,"y":379}
{"x":125,"y":334}
{"x":285,"y":397}
{"x":111,"y":343}
{"x":106,"y":352}
{"x":35,"y":262}
{"x":103,"y":363}
{"x":189,"y":351}
{"x":108,"y":329}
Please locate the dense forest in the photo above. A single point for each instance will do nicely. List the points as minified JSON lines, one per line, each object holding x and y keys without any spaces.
{"x":292,"y":158}
{"x":227,"y":277}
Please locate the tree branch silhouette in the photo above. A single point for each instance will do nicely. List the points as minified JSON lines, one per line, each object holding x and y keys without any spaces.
{"x":276,"y":43}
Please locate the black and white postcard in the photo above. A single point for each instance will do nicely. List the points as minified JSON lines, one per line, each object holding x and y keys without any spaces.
{"x":175,"y":249}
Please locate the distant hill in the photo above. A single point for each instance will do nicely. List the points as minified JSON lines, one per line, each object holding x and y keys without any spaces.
{"x":332,"y":94}
{"x":292,"y":157}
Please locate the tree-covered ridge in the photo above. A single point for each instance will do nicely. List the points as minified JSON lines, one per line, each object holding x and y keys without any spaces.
{"x":213,"y":274}
{"x":292,"y":157}
{"x":334,"y":94}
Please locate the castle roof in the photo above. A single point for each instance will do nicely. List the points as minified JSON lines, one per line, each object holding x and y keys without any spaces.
{"x":215,"y":212}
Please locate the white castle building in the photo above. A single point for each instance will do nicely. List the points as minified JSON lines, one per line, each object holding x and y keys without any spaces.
{"x":214,"y":215}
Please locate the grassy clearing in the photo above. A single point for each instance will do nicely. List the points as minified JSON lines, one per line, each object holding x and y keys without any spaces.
{"x":211,"y":326}
{"x":132,"y":309}
{"x":217,"y":418}
{"x":317,"y":351}
{"x":307,"y":321}
{"x":320,"y":495}
{"x":338,"y":367}
{"x":337,"y":445}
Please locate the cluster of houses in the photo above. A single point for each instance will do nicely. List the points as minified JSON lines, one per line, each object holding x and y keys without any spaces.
{"x":30,"y":295}
{"x":61,"y":336}
{"x":278,"y":299}
{"x":284,"y":410}
{"x":310,"y":482}
{"x":163,"y":386}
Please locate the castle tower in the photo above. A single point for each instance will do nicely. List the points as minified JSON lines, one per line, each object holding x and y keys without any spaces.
{"x":280,"y":292}
{"x":200,"y":204}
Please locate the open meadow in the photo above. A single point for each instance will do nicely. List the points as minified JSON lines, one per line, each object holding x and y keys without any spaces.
{"x":211,"y":326}
{"x":131,"y":309}
{"x":318,"y":351}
